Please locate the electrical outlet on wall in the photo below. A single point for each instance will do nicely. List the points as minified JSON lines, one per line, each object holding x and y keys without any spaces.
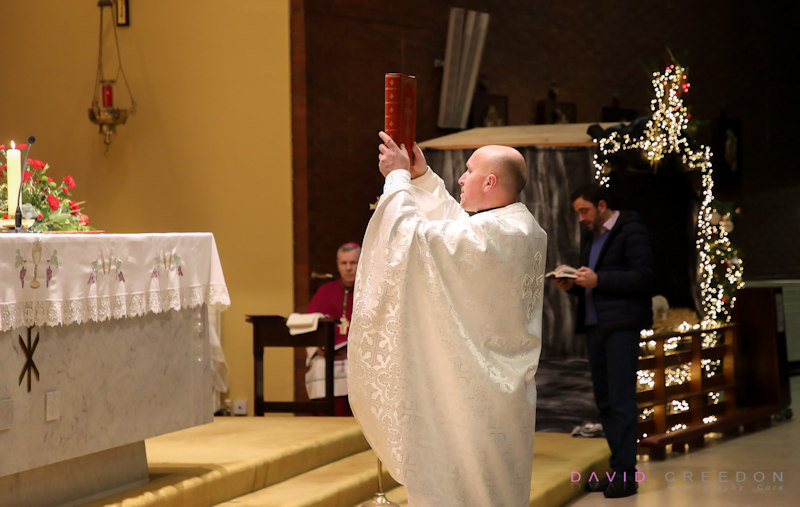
{"x":240,"y":407}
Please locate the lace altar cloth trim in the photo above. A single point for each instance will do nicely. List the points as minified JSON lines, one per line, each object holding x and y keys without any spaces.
{"x":54,"y":280}
{"x":103,"y":308}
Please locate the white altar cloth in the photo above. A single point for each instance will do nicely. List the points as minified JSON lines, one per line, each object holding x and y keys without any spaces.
{"x":105,"y":340}
{"x":61,"y":279}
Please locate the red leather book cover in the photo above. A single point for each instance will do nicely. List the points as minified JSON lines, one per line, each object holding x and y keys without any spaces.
{"x":400,"y":109}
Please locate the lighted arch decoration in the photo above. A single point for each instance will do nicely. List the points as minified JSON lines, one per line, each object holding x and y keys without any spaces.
{"x":719,"y":267}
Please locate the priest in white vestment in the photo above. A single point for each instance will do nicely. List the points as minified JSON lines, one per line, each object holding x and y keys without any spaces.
{"x":446,"y":330}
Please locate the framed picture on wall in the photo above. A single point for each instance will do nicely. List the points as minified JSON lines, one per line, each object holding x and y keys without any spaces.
{"x":489,"y":110}
{"x":554,"y":111}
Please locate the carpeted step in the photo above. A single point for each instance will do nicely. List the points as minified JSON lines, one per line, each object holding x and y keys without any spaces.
{"x":234,"y":456}
{"x":348,"y":481}
{"x":305,"y":461}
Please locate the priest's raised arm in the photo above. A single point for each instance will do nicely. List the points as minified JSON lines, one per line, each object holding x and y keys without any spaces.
{"x":446,"y":330}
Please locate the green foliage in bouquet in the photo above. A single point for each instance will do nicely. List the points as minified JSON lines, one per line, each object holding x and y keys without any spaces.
{"x":46,"y":201}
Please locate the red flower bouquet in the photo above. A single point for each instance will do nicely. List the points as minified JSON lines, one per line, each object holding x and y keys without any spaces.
{"x":49,"y":203}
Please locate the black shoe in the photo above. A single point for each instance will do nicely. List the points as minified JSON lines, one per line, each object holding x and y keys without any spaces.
{"x":597,"y":486}
{"x":619,"y":488}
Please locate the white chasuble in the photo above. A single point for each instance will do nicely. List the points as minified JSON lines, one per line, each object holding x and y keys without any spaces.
{"x":445,"y":342}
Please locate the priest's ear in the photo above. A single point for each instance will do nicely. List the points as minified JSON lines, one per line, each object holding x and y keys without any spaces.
{"x":490,"y":182}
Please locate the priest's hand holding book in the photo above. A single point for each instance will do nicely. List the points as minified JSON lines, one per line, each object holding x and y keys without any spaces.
{"x":393,"y":157}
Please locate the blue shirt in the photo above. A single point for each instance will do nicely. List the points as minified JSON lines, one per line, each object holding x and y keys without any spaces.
{"x":598,"y":241}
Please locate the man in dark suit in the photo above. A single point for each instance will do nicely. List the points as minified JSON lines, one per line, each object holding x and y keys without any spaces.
{"x":613,"y":287}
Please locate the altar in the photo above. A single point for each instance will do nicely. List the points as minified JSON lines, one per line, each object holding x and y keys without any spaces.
{"x":105,"y":340}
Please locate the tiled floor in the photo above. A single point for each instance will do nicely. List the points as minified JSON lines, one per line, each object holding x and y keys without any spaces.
{"x":760,"y":469}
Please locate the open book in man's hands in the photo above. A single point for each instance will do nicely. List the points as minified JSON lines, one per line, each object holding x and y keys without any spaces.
{"x":563,"y":271}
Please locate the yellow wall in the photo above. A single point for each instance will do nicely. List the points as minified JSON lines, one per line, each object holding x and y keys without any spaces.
{"x":209,"y":148}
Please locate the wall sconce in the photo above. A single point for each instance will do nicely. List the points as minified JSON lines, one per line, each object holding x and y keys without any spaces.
{"x":103,"y":113}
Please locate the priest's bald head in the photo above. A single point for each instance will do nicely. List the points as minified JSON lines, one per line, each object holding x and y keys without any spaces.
{"x":494,"y":178}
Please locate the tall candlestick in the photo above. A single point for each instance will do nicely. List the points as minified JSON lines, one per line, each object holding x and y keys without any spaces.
{"x":14,"y":176}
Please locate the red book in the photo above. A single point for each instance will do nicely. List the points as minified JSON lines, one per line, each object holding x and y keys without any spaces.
{"x":400,"y":110}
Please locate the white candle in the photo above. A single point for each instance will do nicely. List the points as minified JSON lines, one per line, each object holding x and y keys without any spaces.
{"x":13,"y":176}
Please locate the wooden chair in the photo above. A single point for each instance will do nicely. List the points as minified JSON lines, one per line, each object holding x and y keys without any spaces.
{"x":271,"y":331}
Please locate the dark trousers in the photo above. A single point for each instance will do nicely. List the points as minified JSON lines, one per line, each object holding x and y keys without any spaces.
{"x":614,"y":360}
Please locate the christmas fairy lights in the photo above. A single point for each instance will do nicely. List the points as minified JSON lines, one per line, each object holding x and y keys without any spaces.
{"x":677,"y":375}
{"x":719,"y":267}
{"x":677,"y":427}
{"x":664,"y":130}
{"x":711,"y":340}
{"x":711,"y":366}
{"x":647,"y":348}
{"x":677,"y":407}
{"x":645,"y":380}
{"x":671,"y":343}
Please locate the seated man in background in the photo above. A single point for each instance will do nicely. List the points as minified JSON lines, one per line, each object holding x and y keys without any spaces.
{"x":334,"y":300}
